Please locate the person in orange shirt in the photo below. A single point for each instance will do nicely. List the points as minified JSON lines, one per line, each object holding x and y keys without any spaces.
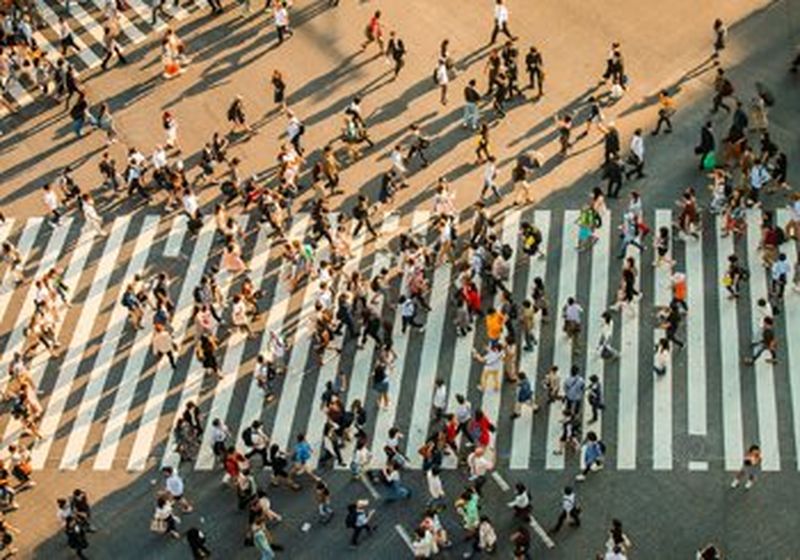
{"x":495,"y":321}
{"x":750,"y":466}
{"x":666,"y":108}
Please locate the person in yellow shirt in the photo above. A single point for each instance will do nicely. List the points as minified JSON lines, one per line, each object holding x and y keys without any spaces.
{"x":666,"y":108}
{"x":495,"y":321}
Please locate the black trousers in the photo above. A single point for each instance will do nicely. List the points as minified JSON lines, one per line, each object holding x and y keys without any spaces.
{"x":573,"y":514}
{"x":498,"y":28}
{"x":111,"y":53}
{"x":368,"y":224}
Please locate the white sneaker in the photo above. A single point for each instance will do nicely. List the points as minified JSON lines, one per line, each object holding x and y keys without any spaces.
{"x":748,"y":485}
{"x":580,"y":478}
{"x":735,"y":483}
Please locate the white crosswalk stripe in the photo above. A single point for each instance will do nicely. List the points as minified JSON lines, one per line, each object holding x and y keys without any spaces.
{"x":91,"y":422}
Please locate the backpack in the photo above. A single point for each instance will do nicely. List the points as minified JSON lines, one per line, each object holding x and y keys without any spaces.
{"x":247,"y":436}
{"x":780,"y":235}
{"x":129,"y":300}
{"x":727,"y":88}
{"x":352,"y":515}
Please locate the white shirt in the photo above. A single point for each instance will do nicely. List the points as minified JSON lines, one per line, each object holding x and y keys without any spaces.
{"x":190,"y":203}
{"x":162,"y":342}
{"x":219,"y":433}
{"x":159,"y":158}
{"x":51,"y":200}
{"x":489,"y":172}
{"x":293,"y":128}
{"x":435,"y":487}
{"x":441,"y":75}
{"x":500,"y":14}
{"x":440,"y":396}
{"x":397,"y":161}
{"x":637,"y":146}
{"x":478,"y":465}
{"x":281,"y":17}
{"x":493,"y":359}
{"x":174,"y":485}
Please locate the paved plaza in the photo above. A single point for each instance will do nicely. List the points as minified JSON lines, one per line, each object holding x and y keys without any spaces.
{"x":673,"y":442}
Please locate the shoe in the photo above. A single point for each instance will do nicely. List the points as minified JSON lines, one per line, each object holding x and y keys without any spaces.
{"x":580,"y":478}
{"x":735,"y":483}
{"x":748,"y":485}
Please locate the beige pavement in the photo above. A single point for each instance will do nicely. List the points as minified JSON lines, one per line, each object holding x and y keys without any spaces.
{"x":324,"y":70}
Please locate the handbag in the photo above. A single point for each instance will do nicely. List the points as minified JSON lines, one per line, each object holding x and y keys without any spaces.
{"x":158,"y":525}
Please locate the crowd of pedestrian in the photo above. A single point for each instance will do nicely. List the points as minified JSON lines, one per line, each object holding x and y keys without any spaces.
{"x":740,"y":164}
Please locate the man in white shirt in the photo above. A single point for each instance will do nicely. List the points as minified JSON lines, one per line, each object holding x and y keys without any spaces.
{"x":637,"y":155}
{"x":489,"y":176}
{"x":282,"y":22}
{"x":175,"y":488}
{"x":779,"y":274}
{"x":479,"y":466}
{"x":52,"y":203}
{"x":501,"y":21}
{"x":295,"y":131}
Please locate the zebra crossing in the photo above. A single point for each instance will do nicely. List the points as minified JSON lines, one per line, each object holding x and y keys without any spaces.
{"x":109,"y":404}
{"x":86,"y":19}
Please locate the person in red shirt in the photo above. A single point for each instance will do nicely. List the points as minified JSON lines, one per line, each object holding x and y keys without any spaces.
{"x":483,"y":428}
{"x":472,"y":296}
{"x":451,"y":432}
{"x":374,"y":32}
{"x":233,"y":464}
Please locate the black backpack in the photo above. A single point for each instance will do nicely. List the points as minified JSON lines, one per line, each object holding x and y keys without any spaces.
{"x":247,"y":436}
{"x":352,"y":515}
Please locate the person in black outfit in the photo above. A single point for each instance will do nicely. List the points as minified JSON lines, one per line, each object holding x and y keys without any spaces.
{"x":76,"y":536}
{"x":612,"y":171}
{"x":707,"y":143}
{"x":361,"y":215}
{"x":533,"y":65}
{"x":419,"y":144}
{"x":396,"y":51}
{"x":722,"y":88}
{"x":197,"y":543}
{"x":611,"y":143}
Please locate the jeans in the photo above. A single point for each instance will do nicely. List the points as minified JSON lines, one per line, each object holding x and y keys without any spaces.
{"x":471,"y":115}
{"x":398,"y":491}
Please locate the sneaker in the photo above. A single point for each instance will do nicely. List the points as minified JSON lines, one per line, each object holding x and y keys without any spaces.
{"x":735,"y":483}
{"x":748,"y":485}
{"x":580,"y":478}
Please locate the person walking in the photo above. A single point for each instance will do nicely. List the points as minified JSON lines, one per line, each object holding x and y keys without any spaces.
{"x":374,"y":32}
{"x":196,"y":540}
{"x":666,"y":109}
{"x":500,"y":22}
{"x":569,"y":510}
{"x":750,"y":468}
{"x":442,"y":80}
{"x":524,"y":397}
{"x":722,"y":88}
{"x":396,"y":52}
{"x":767,"y":342}
{"x":175,"y":488}
{"x":720,"y":36}
{"x":592,"y":454}
{"x":472,"y":97}
{"x":574,"y":388}
{"x":534,"y":66}
{"x":636,"y":157}
{"x":489,"y":177}
{"x":111,"y":46}
{"x":281,"y":17}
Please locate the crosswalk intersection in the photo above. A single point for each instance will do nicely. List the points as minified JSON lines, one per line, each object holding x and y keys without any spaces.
{"x":109,"y":404}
